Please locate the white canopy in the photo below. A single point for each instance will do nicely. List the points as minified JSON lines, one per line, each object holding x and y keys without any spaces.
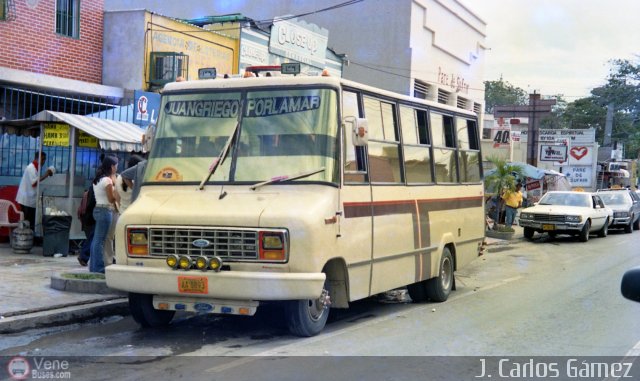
{"x":112,"y":135}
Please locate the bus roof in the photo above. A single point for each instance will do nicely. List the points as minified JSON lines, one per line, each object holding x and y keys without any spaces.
{"x":336,"y":82}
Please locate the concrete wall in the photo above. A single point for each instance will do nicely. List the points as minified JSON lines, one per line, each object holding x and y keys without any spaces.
{"x":123,"y":51}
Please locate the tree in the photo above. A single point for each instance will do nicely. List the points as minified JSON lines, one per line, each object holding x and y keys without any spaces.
{"x":502,"y":180}
{"x":623,"y":91}
{"x":498,"y":93}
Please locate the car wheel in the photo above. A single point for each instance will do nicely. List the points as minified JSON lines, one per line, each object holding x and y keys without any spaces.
{"x":528,"y":233}
{"x":605,"y":229}
{"x":629,"y":228}
{"x":141,"y":307}
{"x":584,"y":233}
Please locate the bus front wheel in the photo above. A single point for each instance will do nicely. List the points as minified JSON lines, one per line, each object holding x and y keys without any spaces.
{"x":308,"y":317}
{"x":141,"y":307}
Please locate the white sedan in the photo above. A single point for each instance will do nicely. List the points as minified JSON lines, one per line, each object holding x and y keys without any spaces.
{"x":574,"y":213}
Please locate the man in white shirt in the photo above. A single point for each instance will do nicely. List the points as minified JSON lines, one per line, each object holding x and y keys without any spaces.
{"x":27,"y":196}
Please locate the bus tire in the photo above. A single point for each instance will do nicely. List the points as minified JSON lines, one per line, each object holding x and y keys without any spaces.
{"x":418,"y":292}
{"x":307,"y":318}
{"x":141,"y":307}
{"x":439,"y":288}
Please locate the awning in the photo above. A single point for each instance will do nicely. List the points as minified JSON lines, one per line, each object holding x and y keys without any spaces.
{"x":112,"y":135}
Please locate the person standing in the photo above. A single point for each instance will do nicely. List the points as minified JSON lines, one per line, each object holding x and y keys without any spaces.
{"x":512,"y":200}
{"x":27,"y":197}
{"x":123,"y":187}
{"x":103,"y":189}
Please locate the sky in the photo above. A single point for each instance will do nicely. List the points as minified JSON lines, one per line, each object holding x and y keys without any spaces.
{"x":557,"y":46}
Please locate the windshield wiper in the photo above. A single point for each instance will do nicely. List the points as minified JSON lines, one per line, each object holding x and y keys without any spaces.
{"x":279,"y":179}
{"x":224,"y":153}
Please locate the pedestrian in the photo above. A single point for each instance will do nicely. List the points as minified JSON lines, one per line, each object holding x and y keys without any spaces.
{"x":103,"y":188}
{"x":88,"y":224}
{"x":124,"y":188}
{"x":133,"y":176}
{"x":512,"y":200}
{"x":26,"y":196}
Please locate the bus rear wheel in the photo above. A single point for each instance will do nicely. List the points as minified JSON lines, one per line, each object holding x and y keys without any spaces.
{"x":141,"y":307}
{"x":439,"y":288}
{"x":435,"y":289}
{"x":308,"y":317}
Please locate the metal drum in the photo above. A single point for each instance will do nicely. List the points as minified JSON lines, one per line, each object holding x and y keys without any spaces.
{"x":22,"y":238}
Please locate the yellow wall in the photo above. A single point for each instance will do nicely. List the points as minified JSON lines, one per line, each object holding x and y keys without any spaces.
{"x":204,"y":48}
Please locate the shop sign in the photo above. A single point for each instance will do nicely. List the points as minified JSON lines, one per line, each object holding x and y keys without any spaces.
{"x":87,"y":141}
{"x":299,"y":41}
{"x":553,"y":152}
{"x":579,"y":175}
{"x":56,"y":134}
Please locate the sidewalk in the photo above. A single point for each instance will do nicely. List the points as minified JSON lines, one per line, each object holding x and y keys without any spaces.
{"x":517,"y":236}
{"x":30,"y":302}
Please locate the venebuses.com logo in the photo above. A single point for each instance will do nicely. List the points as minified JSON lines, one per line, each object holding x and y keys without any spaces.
{"x":21,"y":368}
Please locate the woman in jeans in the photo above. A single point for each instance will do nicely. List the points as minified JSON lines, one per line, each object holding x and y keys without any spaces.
{"x":103,"y":188}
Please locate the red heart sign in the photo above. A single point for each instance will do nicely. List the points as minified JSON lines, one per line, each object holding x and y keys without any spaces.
{"x":579,"y":152}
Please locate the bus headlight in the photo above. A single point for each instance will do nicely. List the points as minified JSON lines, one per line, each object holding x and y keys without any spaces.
{"x":138,"y":241}
{"x":272,"y":246}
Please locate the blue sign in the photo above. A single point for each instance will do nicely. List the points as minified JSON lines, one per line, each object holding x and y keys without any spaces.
{"x":145,"y":108}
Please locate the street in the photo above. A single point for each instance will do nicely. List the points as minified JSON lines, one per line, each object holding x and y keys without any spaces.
{"x":542,"y":298}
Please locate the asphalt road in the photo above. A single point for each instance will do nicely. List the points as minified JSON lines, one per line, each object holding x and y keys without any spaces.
{"x":544,"y":298}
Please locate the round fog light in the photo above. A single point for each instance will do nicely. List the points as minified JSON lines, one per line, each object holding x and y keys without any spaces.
{"x":201,"y":263}
{"x":172,"y":261}
{"x":184,"y":262}
{"x":215,"y":264}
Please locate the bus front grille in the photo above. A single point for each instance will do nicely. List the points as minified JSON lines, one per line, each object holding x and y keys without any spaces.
{"x":228,"y":244}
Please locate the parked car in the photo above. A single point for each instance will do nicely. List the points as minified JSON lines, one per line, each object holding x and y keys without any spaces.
{"x":573,"y":213}
{"x":625,"y":204}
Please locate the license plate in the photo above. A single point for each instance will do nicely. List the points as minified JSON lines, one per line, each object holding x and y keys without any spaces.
{"x":548,"y":227}
{"x":193,"y":285}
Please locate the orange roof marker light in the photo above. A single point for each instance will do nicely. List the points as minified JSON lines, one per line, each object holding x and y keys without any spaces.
{"x":285,"y":68}
{"x":325,"y":73}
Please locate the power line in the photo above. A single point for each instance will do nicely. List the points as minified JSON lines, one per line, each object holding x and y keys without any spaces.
{"x":266,"y":22}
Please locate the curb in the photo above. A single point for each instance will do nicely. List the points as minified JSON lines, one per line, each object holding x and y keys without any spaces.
{"x":64,"y":315}
{"x":85,"y":286}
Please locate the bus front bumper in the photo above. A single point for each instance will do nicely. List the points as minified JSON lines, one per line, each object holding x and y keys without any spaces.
{"x":230,"y":285}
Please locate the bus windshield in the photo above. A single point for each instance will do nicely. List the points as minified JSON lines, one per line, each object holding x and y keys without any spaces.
{"x":280,"y":132}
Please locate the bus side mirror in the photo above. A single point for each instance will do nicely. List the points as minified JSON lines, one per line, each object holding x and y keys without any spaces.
{"x":359,"y":130}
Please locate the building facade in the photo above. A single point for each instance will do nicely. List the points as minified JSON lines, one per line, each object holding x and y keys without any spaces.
{"x":433,"y":49}
{"x":50,"y":54}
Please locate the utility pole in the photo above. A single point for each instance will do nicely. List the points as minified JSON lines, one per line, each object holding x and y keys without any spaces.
{"x":536,"y":110}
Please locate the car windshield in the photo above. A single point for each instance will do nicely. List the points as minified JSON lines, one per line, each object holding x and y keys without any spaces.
{"x":279,"y":131}
{"x":566,"y":199}
{"x":615,"y":198}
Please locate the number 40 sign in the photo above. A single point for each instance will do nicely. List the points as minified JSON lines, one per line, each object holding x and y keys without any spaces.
{"x":501,"y":137}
